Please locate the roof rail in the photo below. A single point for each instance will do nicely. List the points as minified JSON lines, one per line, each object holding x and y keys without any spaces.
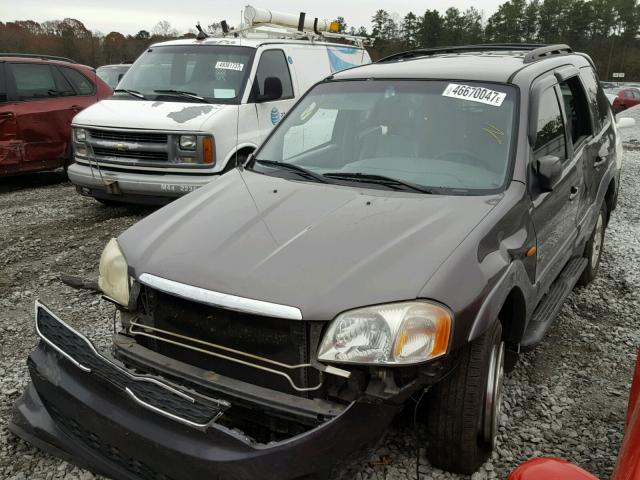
{"x":37,"y":55}
{"x":536,"y":51}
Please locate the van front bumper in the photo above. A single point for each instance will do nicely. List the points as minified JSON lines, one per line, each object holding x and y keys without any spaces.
{"x":88,"y":418}
{"x":133,"y":187}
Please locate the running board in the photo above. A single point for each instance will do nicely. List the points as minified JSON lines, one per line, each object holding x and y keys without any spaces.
{"x":550,"y":306}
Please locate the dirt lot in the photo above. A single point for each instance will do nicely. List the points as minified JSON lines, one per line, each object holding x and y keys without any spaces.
{"x":566,"y":399}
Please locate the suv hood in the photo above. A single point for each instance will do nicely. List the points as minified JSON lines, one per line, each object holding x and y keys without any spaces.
{"x":320,"y":247}
{"x":148,"y":115}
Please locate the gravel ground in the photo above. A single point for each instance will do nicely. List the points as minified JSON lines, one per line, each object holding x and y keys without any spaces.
{"x":567,"y":398}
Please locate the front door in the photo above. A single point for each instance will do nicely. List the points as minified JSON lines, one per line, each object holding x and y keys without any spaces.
{"x":40,"y":113}
{"x":554,"y":212}
{"x":9,"y":142}
{"x":273,"y":68}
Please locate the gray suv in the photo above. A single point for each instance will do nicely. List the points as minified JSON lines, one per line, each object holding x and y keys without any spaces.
{"x":408,"y":228}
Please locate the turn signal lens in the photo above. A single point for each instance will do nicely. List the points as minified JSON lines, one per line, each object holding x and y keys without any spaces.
{"x":393,"y":334}
{"x":207,"y":150}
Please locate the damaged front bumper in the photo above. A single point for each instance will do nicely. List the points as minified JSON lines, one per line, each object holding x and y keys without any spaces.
{"x":100,"y":415}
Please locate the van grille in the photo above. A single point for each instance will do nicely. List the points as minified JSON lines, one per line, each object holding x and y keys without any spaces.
{"x":136,"y":137}
{"x":135,"y":154}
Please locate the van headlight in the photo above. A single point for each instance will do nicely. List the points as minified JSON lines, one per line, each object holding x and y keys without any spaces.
{"x":392,"y":334}
{"x":80,"y":134}
{"x":114,"y":274}
{"x":188,"y":142}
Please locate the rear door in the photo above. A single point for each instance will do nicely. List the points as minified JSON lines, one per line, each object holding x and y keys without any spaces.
{"x":273,"y":64}
{"x":41,"y":116}
{"x":554,"y":212}
{"x":603,"y":144}
{"x":9,"y":141}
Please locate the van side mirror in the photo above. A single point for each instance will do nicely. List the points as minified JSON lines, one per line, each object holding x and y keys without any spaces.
{"x":625,"y":122}
{"x":272,"y":90}
{"x":549,"y":172}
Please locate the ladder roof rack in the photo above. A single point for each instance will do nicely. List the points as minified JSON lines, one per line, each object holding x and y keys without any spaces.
{"x":271,"y":24}
{"x":37,"y":55}
{"x":535,"y":51}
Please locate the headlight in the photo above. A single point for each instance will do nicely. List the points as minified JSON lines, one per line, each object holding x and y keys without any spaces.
{"x":114,"y":275}
{"x":188,"y":142}
{"x":392,"y":334}
{"x":80,"y":134}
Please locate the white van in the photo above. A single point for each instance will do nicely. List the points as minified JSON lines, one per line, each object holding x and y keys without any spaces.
{"x":188,"y":110}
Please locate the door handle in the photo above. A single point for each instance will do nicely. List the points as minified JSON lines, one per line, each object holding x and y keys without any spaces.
{"x":599,"y":161}
{"x":574,"y":193}
{"x":7,"y":115}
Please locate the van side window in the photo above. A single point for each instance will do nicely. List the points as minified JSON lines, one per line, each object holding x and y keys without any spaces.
{"x":317,"y":130}
{"x":597,"y":99}
{"x":33,"y":81}
{"x":274,"y":64}
{"x":550,"y":138}
{"x":576,"y":108}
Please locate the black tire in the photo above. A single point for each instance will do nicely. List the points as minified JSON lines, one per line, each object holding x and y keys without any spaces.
{"x":108,"y":203}
{"x":456,"y":418}
{"x":594,"y":247}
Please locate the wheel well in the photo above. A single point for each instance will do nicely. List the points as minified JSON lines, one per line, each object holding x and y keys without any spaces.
{"x":512,"y":316}
{"x":243,"y":152}
{"x":610,"y":198}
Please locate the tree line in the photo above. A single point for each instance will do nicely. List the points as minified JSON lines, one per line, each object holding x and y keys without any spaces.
{"x":604,"y":29}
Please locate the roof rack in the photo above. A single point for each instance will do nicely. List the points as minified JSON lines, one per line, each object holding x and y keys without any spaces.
{"x":37,"y":55}
{"x":271,"y":24}
{"x":536,"y":51}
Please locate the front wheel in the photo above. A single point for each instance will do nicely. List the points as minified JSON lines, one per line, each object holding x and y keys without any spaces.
{"x":464,"y":409}
{"x":593,"y":248}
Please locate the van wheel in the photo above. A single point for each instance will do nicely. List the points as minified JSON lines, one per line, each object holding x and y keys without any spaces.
{"x":593,"y":248}
{"x":108,"y":203}
{"x":234,"y":162}
{"x":464,"y":409}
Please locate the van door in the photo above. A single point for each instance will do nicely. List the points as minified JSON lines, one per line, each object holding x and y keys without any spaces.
{"x":9,"y":143}
{"x":272,"y":91}
{"x":554,"y":212}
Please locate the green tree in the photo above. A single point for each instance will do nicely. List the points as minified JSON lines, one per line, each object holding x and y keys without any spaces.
{"x":430,"y":29}
{"x":410,"y":30}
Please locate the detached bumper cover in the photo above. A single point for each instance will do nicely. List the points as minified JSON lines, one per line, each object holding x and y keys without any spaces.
{"x":84,"y":408}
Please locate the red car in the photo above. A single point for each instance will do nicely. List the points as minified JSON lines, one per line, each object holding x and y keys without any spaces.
{"x":626,"y":98}
{"x":38,"y":98}
{"x":628,"y":466}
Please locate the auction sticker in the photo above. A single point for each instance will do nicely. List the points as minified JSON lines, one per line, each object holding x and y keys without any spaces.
{"x":474,"y":94}
{"x":230,"y":66}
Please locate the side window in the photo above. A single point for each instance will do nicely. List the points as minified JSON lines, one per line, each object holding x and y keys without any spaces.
{"x":577,"y":109}
{"x":274,"y":64}
{"x":597,"y":99}
{"x":81,"y":84}
{"x":3,"y":85}
{"x":550,"y":138}
{"x":33,"y":81}
{"x":315,"y":132}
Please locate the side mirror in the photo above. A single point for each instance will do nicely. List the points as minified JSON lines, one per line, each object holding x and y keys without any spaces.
{"x":549,"y":172}
{"x":272,"y":90}
{"x":625,"y":122}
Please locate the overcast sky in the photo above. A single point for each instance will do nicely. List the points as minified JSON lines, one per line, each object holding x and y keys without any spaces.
{"x":130,"y":16}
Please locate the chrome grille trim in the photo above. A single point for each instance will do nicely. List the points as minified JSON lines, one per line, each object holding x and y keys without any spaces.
{"x":218,"y":299}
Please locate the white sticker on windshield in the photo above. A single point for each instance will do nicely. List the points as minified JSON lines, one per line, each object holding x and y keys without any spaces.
{"x":230,"y":66}
{"x":474,"y":94}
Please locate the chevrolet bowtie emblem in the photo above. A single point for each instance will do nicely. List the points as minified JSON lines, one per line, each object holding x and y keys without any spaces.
{"x":121,"y":146}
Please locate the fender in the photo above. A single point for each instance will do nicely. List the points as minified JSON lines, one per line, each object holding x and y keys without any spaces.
{"x":239,"y":147}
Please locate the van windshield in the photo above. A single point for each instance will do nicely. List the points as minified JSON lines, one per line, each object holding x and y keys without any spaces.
{"x":211,"y":73}
{"x":448,"y":136}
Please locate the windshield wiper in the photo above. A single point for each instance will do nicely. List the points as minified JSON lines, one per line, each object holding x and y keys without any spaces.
{"x":184,"y":94}
{"x":133,"y":93}
{"x":378,"y":179}
{"x":303,"y":172}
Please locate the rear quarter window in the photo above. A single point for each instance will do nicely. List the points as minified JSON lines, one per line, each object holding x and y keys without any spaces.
{"x":81,"y":84}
